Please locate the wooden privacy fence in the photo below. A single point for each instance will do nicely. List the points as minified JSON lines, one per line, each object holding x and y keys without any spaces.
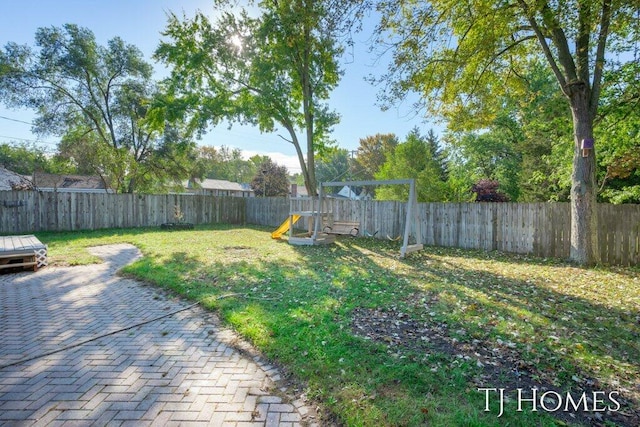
{"x":29,"y":211}
{"x":541,"y":229}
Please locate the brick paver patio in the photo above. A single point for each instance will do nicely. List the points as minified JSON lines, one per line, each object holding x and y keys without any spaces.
{"x":184,"y":369}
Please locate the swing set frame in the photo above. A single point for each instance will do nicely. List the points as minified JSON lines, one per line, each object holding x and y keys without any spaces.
{"x":411,"y":217}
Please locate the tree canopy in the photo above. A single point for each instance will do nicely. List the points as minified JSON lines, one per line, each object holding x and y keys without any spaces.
{"x":97,"y":98}
{"x":274,"y":70}
{"x":372,"y":153}
{"x":270,"y":180}
{"x":413,"y":158}
{"x":620,"y":126}
{"x":462,"y":56}
{"x":335,"y":165}
{"x":26,"y":159}
{"x":228,"y":164}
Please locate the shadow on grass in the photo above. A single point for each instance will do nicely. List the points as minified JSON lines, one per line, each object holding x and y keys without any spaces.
{"x":570,"y":343}
{"x":297,"y":305}
{"x":298,"y":311}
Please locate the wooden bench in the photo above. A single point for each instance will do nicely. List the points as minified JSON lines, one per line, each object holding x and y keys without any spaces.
{"x":22,"y":251}
{"x":350,"y":228}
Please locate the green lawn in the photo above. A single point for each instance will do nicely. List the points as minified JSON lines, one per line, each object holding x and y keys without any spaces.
{"x":377,"y":340}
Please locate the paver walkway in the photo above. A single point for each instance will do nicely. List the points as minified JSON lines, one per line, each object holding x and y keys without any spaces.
{"x":184,"y":369}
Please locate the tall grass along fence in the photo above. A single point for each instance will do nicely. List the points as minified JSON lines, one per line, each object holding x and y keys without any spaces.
{"x":541,"y":229}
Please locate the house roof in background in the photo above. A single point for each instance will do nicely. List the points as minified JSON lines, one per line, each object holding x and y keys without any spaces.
{"x":219,"y":184}
{"x":12,"y":181}
{"x":47,"y":180}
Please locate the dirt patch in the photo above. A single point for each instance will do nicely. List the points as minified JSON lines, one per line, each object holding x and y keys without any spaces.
{"x":237,"y":248}
{"x":499,"y":363}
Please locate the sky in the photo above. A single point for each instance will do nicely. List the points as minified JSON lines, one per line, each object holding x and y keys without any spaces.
{"x":140,"y":22}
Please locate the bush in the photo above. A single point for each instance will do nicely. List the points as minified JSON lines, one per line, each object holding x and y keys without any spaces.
{"x":486,"y":190}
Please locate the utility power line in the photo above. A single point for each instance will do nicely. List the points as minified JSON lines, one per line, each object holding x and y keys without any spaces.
{"x":16,"y":120}
{"x":36,"y":141}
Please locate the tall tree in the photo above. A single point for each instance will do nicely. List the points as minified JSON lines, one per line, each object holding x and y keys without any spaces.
{"x":335,"y":165}
{"x":492,"y":155}
{"x":228,"y":164}
{"x":459,"y":55}
{"x":95,"y":96}
{"x":526,"y":148}
{"x":372,"y":153}
{"x":542,"y":136}
{"x":271,"y":180}
{"x":274,"y":70}
{"x":438,"y":154}
{"x":24,"y":159}
{"x":620,"y":159}
{"x":413,"y":159}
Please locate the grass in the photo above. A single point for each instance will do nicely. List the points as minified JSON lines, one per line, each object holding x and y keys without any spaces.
{"x":378,"y":341}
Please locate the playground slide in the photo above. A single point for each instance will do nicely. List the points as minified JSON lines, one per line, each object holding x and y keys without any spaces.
{"x":284,"y":227}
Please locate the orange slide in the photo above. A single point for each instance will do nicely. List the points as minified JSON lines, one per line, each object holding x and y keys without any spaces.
{"x":284,"y":227}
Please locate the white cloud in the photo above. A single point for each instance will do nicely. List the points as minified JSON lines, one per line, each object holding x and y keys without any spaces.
{"x":290,"y":161}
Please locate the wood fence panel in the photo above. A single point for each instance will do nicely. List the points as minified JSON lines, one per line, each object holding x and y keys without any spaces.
{"x":27,"y":212}
{"x":619,"y":234}
{"x":541,"y":229}
{"x":371,"y":227}
{"x":395,"y":220}
{"x":483,"y":218}
{"x":603,"y":235}
{"x":425,"y":214}
{"x":504,"y":227}
{"x":446,"y":217}
{"x":130,"y":217}
{"x":466,"y":222}
{"x":271,"y":211}
{"x":539,"y":240}
{"x":201,"y":210}
{"x":550,"y":229}
{"x":564,"y":229}
{"x":59,"y":216}
{"x":519,"y":229}
{"x":108,"y":210}
{"x":156,"y":210}
{"x":466,"y":226}
{"x":204,"y":215}
{"x":486,"y":225}
{"x":515,"y":235}
{"x":449,"y":216}
{"x":553,"y":223}
{"x":437,"y":222}
{"x":562,"y":222}
{"x":474,"y":215}
{"x":194,"y":209}
{"x":103,"y":213}
{"x":546,"y":239}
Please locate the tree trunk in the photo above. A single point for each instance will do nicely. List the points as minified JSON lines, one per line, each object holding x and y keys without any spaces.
{"x":308,"y":178}
{"x":310,"y":183}
{"x":131,"y":187}
{"x":584,"y":213}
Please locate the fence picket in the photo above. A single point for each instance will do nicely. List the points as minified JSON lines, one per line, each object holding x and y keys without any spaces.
{"x":542,"y":229}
